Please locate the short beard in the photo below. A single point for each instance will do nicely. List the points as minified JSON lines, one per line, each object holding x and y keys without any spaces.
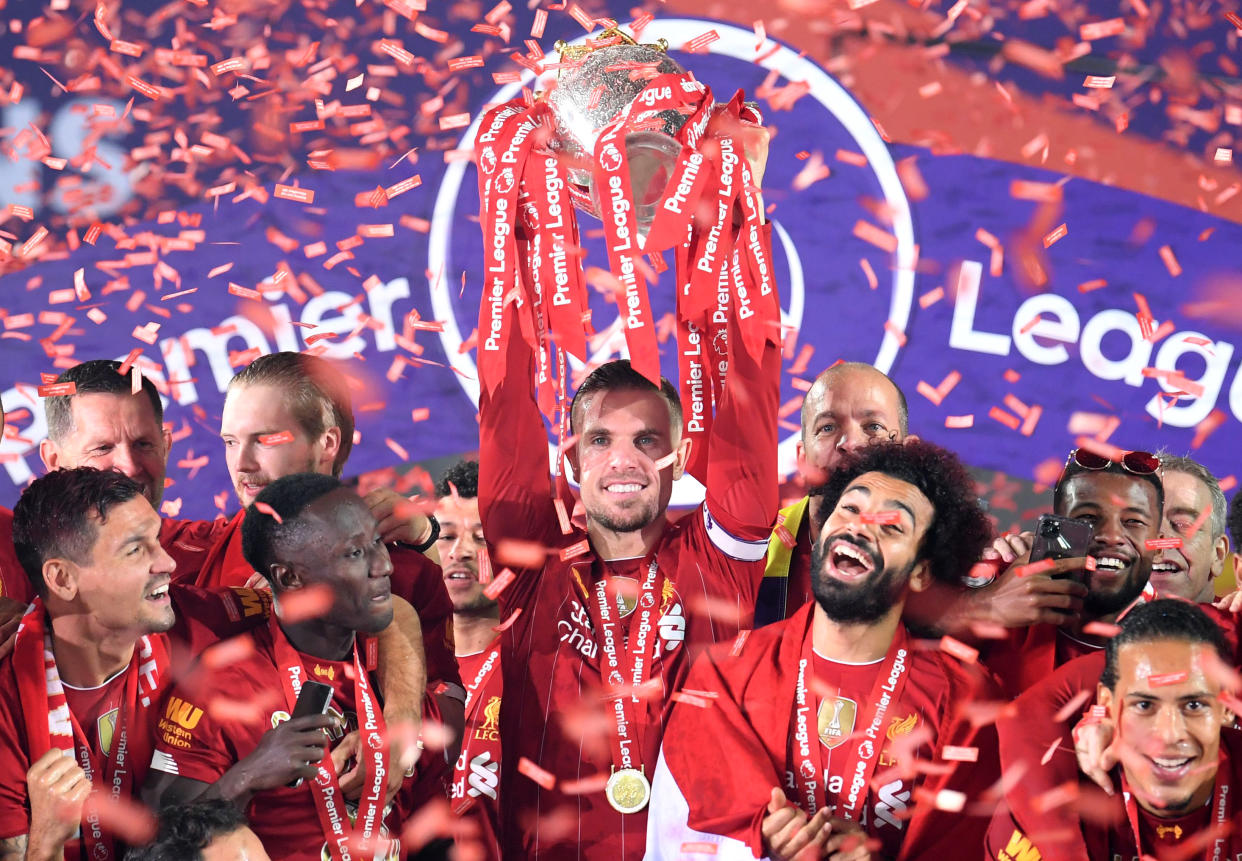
{"x":480,"y":606}
{"x":1096,"y":605}
{"x":860,"y":603}
{"x":636,"y":521}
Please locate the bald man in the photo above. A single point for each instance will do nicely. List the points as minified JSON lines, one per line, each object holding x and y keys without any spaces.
{"x":850,"y":405}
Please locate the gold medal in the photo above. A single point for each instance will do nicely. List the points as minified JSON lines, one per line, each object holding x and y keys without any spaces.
{"x":628,"y":790}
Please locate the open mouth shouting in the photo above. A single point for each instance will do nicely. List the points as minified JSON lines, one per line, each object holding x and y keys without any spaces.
{"x":849,"y":560}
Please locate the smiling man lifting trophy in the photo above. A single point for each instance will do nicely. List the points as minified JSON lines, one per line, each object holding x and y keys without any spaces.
{"x":601,"y":612}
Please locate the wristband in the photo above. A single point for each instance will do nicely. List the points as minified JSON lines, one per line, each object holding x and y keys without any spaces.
{"x":431,"y":539}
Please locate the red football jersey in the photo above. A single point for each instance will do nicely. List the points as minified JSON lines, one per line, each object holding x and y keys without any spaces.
{"x":477,"y":775}
{"x":217,"y":720}
{"x":1108,"y":833}
{"x":552,"y":711}
{"x":203,"y":619}
{"x":721,"y":760}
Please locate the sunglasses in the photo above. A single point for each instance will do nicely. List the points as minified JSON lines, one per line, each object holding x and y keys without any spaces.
{"x":1134,"y":462}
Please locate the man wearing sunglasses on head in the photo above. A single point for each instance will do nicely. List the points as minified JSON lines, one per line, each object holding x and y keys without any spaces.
{"x":1122,"y":500}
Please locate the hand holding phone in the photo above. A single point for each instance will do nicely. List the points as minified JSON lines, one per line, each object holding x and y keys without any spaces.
{"x":1059,"y":537}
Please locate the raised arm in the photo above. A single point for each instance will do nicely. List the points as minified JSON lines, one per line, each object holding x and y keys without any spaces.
{"x":741,"y":463}
{"x":514,"y":487}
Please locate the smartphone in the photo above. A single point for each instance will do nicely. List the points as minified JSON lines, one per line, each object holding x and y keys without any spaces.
{"x":313,"y":699}
{"x":1059,"y":537}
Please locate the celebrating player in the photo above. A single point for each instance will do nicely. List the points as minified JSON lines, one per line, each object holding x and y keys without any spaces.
{"x":740,"y":768}
{"x":1179,"y":756}
{"x":850,"y":405}
{"x":475,"y":616}
{"x":309,"y":535}
{"x":287,"y":413}
{"x":1123,"y":501}
{"x":606,"y":609}
{"x":1194,"y":516}
{"x":80,"y":690}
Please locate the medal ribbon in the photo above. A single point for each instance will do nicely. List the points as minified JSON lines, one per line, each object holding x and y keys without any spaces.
{"x":1222,"y":806}
{"x":372,"y":749}
{"x":502,"y":146}
{"x":560,"y":272}
{"x":628,"y":667}
{"x":889,"y":684}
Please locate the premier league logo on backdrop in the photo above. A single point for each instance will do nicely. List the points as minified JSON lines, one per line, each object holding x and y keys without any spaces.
{"x":817,"y":253}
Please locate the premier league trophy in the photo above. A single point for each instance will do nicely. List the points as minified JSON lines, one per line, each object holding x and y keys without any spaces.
{"x":630,"y":137}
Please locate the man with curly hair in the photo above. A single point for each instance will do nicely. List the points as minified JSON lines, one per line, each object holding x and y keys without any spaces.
{"x":817,"y":731}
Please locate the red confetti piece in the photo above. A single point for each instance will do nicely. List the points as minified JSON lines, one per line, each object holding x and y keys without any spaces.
{"x":1077,"y":701}
{"x":1170,"y":261}
{"x":309,"y":602}
{"x":891,"y":328}
{"x":455,"y":121}
{"x":955,"y":753}
{"x":812,"y":172}
{"x":785,"y":536}
{"x":228,"y":652}
{"x":1057,"y":233}
{"x":508,"y":623}
{"x":1161,"y":680}
{"x":280,"y":438}
{"x":268,"y":510}
{"x":537,"y":774}
{"x":397,"y":449}
{"x":521,"y":554}
{"x":299,"y":195}
{"x":882,"y":517}
{"x":403,"y":186}
{"x":1101,"y":629}
{"x":881,"y":239}
{"x":690,"y":699}
{"x":699,"y":847}
{"x":1007,"y":419}
{"x":1207,"y":427}
{"x":958,"y":649}
{"x":460,"y":63}
{"x":872,"y":281}
{"x":699,"y":43}
{"x":57,"y":390}
{"x":1163,"y":543}
{"x":931,"y":297}
{"x":499,"y":583}
{"x":959,"y":422}
{"x":738,"y":643}
{"x":244,"y":292}
{"x":1031,"y":420}
{"x":581,"y":548}
{"x":1034,"y":568}
{"x":1102,"y":29}
{"x":396,"y":51}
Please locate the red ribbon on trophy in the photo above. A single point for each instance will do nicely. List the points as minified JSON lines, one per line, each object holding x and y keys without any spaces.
{"x":629,"y":136}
